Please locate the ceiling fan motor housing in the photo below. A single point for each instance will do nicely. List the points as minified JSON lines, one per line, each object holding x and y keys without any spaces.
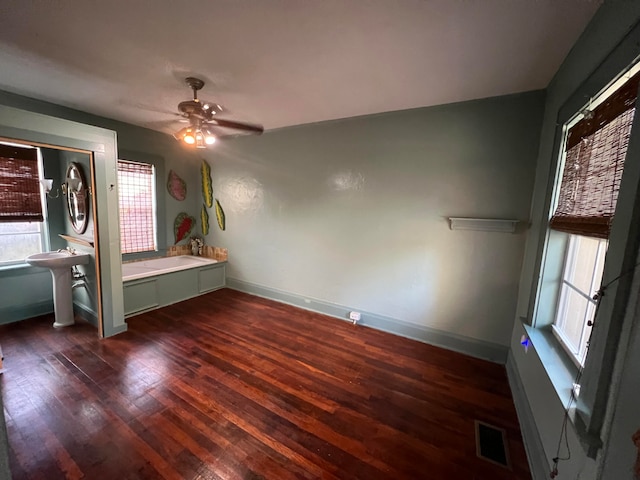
{"x":194,"y":108}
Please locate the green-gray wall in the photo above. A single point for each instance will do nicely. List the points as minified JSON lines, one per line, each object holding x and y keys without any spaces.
{"x":604,"y":48}
{"x":352,"y":214}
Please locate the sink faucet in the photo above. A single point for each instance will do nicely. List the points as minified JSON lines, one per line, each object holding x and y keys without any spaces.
{"x":69,"y":250}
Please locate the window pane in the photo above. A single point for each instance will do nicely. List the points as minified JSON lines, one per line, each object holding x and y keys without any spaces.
{"x":571,"y":317}
{"x":583,"y":270}
{"x":14,"y":248}
{"x":599,"y":269}
{"x":19,"y":227}
{"x":581,"y":265}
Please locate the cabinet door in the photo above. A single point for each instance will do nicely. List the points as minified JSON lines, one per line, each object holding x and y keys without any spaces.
{"x":211,"y":278}
{"x":140,"y":296}
{"x":177,"y":286}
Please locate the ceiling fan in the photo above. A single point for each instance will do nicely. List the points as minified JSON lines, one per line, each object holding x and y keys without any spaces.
{"x":204,"y":121}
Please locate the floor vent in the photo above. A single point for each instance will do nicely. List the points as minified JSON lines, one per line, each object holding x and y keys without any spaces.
{"x":491,"y":444}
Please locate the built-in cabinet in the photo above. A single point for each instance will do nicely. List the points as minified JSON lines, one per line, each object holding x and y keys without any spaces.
{"x":159,"y":291}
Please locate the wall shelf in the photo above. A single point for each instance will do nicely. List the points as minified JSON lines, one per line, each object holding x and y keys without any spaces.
{"x":78,"y":240}
{"x":483,"y":224}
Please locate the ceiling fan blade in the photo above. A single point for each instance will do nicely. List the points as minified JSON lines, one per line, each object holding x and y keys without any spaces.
{"x":151,"y":108}
{"x":164,"y":123}
{"x":247,"y":127}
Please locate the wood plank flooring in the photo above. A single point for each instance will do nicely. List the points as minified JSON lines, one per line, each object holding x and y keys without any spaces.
{"x":232,"y":386}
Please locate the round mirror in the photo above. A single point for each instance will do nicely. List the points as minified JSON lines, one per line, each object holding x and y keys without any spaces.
{"x":77,"y":198}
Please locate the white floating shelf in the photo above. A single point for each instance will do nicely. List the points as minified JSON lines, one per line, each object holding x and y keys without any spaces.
{"x":87,"y":242}
{"x":483,"y":224}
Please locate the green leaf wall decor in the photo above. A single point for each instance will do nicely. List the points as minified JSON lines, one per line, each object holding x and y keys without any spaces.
{"x":207,"y":184}
{"x":220,"y":216}
{"x":204,"y":220}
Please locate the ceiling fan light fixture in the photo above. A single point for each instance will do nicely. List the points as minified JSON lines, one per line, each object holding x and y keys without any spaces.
{"x":200,"y":140}
{"x":209,"y":138}
{"x":189,"y":138}
{"x":200,"y":137}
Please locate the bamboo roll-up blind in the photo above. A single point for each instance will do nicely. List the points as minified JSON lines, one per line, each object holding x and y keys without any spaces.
{"x":137,"y":208}
{"x":595,"y":153}
{"x":19,"y":185}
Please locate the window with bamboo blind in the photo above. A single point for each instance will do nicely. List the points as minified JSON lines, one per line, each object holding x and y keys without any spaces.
{"x":137,"y":204}
{"x":21,"y":208}
{"x":595,"y":152}
{"x":20,"y":199}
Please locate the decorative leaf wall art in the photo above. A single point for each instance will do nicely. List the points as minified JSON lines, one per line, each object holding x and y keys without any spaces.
{"x":207,"y":195}
{"x":207,"y":184}
{"x":177,"y":186}
{"x":220,"y":216}
{"x":204,"y":220}
{"x":182,"y":226}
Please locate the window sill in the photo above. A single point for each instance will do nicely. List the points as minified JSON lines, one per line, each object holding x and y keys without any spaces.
{"x":562,"y":373}
{"x":560,"y":369}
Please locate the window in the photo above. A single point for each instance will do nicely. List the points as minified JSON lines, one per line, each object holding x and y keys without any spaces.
{"x":137,"y":203}
{"x":581,"y":276}
{"x":21,"y":203}
{"x":595,"y":151}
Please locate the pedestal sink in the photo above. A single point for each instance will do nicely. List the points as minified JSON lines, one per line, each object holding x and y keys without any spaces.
{"x":60,"y":263}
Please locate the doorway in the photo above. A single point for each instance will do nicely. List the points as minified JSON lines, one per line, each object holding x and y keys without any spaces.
{"x":100,"y":147}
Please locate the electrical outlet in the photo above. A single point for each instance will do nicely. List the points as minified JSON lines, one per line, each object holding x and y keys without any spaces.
{"x":354,"y":316}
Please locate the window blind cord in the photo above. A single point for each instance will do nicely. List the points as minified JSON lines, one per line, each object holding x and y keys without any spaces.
{"x":563,"y":430}
{"x":565,"y":419}
{"x":623,"y":274}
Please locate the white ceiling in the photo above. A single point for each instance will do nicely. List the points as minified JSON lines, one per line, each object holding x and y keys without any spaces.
{"x":281,"y":62}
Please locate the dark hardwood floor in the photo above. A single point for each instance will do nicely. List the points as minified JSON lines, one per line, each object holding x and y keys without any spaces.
{"x":232,"y":386}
